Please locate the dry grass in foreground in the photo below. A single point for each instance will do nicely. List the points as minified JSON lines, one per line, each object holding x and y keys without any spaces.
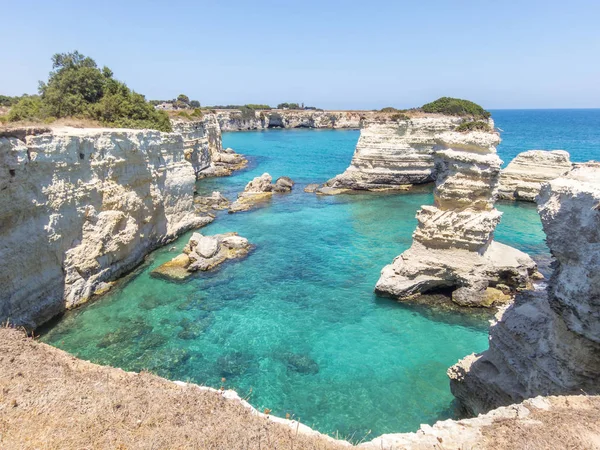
{"x":51,"y":400}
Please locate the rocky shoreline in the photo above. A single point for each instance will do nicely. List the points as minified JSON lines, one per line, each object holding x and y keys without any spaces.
{"x":91,"y":203}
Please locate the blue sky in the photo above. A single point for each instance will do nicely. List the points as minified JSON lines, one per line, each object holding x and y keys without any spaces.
{"x":331,"y":54}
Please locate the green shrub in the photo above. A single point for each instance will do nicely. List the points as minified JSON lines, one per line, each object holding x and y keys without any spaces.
{"x":456,"y":107}
{"x":389,"y":109}
{"x":76,"y":87}
{"x":399,"y":116}
{"x":473,"y":125}
{"x":28,"y":108}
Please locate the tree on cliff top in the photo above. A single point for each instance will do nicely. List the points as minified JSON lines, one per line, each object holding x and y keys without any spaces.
{"x":456,"y":107}
{"x":76,"y":87}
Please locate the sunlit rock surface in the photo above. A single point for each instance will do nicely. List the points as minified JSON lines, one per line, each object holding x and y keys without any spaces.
{"x":548,"y":342}
{"x":79,"y":207}
{"x":522,"y":179}
{"x":453,"y":248}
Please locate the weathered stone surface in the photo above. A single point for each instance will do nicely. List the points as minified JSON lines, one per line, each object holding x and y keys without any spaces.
{"x":79,"y":207}
{"x":203,"y":253}
{"x":215,"y":201}
{"x":204,"y":149}
{"x":523,"y":177}
{"x":393,"y":154}
{"x":310,"y":188}
{"x":453,"y":248}
{"x":234,"y":120}
{"x":283,"y":184}
{"x":548,"y":341}
{"x":260,"y":190}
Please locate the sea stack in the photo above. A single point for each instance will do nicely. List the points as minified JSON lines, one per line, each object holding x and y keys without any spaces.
{"x":548,"y":341}
{"x":393,"y":154}
{"x":453,"y":248}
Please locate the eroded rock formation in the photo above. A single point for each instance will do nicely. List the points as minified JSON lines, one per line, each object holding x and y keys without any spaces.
{"x":453,"y":248}
{"x":203,"y":253}
{"x":393,"y":154}
{"x":82,"y":206}
{"x":234,"y":120}
{"x":523,"y":177}
{"x":548,"y":341}
{"x":260,"y":190}
{"x":204,"y":149}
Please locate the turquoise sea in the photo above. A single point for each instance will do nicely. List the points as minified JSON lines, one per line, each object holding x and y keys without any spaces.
{"x":295,"y":327}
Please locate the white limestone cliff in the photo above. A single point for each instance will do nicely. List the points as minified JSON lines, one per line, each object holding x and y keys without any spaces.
{"x":453,"y":248}
{"x":548,"y":341}
{"x":522,"y":179}
{"x":204,"y":149}
{"x":234,"y":120}
{"x":79,"y":207}
{"x":392,"y":154}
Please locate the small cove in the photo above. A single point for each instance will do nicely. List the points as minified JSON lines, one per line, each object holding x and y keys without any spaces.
{"x":295,"y":326}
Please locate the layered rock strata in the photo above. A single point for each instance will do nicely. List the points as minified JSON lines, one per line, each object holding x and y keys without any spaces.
{"x":523,"y":177}
{"x":79,"y":207}
{"x":548,"y":341}
{"x":203,"y":253}
{"x":453,"y":248}
{"x":234,"y":120}
{"x":393,"y":154}
{"x":260,"y":190}
{"x":204,"y":149}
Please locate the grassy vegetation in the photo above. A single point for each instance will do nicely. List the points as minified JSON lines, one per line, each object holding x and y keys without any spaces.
{"x":77,"y":88}
{"x":473,"y":125}
{"x":399,"y":116}
{"x":456,"y":107}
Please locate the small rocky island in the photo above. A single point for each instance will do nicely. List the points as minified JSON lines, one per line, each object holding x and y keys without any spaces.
{"x":203,"y":253}
{"x":260,"y":190}
{"x":453,"y":248}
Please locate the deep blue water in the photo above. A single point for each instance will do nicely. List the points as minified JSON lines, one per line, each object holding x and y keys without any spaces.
{"x":574,"y":130}
{"x":296,"y":326}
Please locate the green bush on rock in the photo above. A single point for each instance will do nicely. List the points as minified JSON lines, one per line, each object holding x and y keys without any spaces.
{"x":456,"y":107}
{"x":473,"y":125}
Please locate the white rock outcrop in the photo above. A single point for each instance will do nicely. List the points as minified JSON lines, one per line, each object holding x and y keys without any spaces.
{"x":522,"y":179}
{"x":453,"y":248}
{"x":204,"y":148}
{"x":548,"y":341}
{"x":203,"y":253}
{"x":393,"y":154}
{"x":235,"y":120}
{"x":260,"y":190}
{"x":79,"y":207}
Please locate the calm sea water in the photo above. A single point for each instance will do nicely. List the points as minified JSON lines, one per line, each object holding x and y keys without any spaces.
{"x":295,"y":327}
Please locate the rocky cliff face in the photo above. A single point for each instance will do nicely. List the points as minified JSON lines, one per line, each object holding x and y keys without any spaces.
{"x":548,"y":342}
{"x":523,"y":177}
{"x":201,"y":141}
{"x":393,"y":154}
{"x":233,"y":120}
{"x":453,"y":247}
{"x":82,"y":206}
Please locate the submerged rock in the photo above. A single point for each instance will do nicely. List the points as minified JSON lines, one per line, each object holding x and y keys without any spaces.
{"x":203,"y":253}
{"x":548,"y":341}
{"x":452,"y":248}
{"x":301,"y":363}
{"x":523,"y":177}
{"x":234,"y":364}
{"x":311,"y":188}
{"x":259,"y":190}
